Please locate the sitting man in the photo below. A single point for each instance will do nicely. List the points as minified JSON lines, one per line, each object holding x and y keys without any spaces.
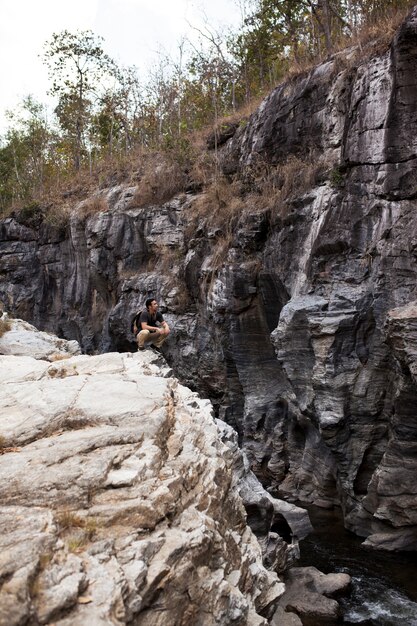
{"x":149,"y":326}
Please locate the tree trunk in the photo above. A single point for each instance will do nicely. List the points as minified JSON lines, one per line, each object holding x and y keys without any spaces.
{"x":326,"y":25}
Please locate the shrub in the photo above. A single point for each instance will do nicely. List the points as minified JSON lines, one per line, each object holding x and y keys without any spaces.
{"x":337,"y":177}
{"x":30,"y":215}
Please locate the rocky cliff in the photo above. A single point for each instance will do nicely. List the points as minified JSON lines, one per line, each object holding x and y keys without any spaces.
{"x":119,"y":502}
{"x":296,"y":315}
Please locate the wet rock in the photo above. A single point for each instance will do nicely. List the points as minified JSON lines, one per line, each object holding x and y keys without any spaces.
{"x":309,"y":595}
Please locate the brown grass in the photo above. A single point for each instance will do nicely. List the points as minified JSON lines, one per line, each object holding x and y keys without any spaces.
{"x":68,"y":521}
{"x":262,"y":186}
{"x":5,"y":326}
{"x":92,"y":206}
{"x":160,"y":180}
{"x":373,"y":39}
{"x":276,"y":186}
{"x":167,"y":258}
{"x":77,"y":543}
{"x":204,"y":168}
{"x":220,"y":202}
{"x":160,"y":176}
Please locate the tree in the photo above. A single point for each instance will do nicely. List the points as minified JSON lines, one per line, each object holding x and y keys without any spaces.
{"x":28,"y":156}
{"x":77,"y":66}
{"x":277,"y":31}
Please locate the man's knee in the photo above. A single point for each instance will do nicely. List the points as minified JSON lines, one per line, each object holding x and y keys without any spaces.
{"x":142,"y":336}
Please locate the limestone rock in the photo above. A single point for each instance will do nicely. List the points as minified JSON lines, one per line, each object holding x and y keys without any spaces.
{"x":23,"y":339}
{"x":309,"y":595}
{"x":118,"y":503}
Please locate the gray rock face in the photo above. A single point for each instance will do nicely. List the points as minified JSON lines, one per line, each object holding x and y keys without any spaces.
{"x":289,"y":320}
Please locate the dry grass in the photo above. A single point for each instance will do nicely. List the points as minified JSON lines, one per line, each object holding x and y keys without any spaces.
{"x":262,"y":187}
{"x":67,"y":519}
{"x":277,"y":186}
{"x":167,"y":259}
{"x":160,"y":180}
{"x":373,"y":39}
{"x":79,"y":531}
{"x":160,"y":176}
{"x":77,"y":543}
{"x":5,"y":326}
{"x":220,"y":202}
{"x":92,"y":206}
{"x":204,"y":168}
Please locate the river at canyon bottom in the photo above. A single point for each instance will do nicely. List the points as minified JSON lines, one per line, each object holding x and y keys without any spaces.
{"x":384,"y":584}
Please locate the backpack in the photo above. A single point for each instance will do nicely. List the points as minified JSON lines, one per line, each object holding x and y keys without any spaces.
{"x":134,"y":323}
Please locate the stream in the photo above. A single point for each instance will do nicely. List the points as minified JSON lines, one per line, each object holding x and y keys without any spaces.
{"x":384,"y":584}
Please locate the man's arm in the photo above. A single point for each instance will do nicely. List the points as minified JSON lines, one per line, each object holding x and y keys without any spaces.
{"x":165,"y":328}
{"x":145,"y":326}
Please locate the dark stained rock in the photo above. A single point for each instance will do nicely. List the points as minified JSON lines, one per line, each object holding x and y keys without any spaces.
{"x":221,"y":135}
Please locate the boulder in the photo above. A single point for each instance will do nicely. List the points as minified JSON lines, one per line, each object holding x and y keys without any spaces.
{"x":23,"y":339}
{"x":309,"y":594}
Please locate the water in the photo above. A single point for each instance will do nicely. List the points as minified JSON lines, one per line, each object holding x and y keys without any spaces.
{"x":384,"y":584}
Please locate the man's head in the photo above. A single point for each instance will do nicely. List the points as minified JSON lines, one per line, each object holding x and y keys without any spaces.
{"x":152,"y":305}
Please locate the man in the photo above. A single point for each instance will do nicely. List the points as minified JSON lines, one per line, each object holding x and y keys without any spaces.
{"x":149,"y":326}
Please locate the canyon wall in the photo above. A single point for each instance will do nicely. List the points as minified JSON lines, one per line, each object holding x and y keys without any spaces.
{"x":298,"y":316}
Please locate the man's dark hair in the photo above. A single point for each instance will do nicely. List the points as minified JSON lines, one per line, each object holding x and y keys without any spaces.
{"x":149,"y":302}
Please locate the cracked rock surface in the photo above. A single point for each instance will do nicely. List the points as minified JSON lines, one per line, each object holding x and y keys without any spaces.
{"x":118,"y":504}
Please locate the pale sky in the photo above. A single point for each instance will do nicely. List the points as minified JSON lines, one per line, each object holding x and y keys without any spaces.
{"x":133,"y":31}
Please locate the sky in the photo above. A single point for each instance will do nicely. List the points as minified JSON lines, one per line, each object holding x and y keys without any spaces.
{"x":133,"y":32}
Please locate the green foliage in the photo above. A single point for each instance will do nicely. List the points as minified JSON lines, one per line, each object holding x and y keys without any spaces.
{"x":28,"y":156}
{"x":104,"y":112}
{"x":77,"y":65}
{"x":337,"y":178}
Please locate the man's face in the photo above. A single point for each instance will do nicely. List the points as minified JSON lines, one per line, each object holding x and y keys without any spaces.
{"x":153,"y":307}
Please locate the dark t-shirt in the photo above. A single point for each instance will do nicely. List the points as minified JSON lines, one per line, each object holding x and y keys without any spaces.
{"x":150,"y":320}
